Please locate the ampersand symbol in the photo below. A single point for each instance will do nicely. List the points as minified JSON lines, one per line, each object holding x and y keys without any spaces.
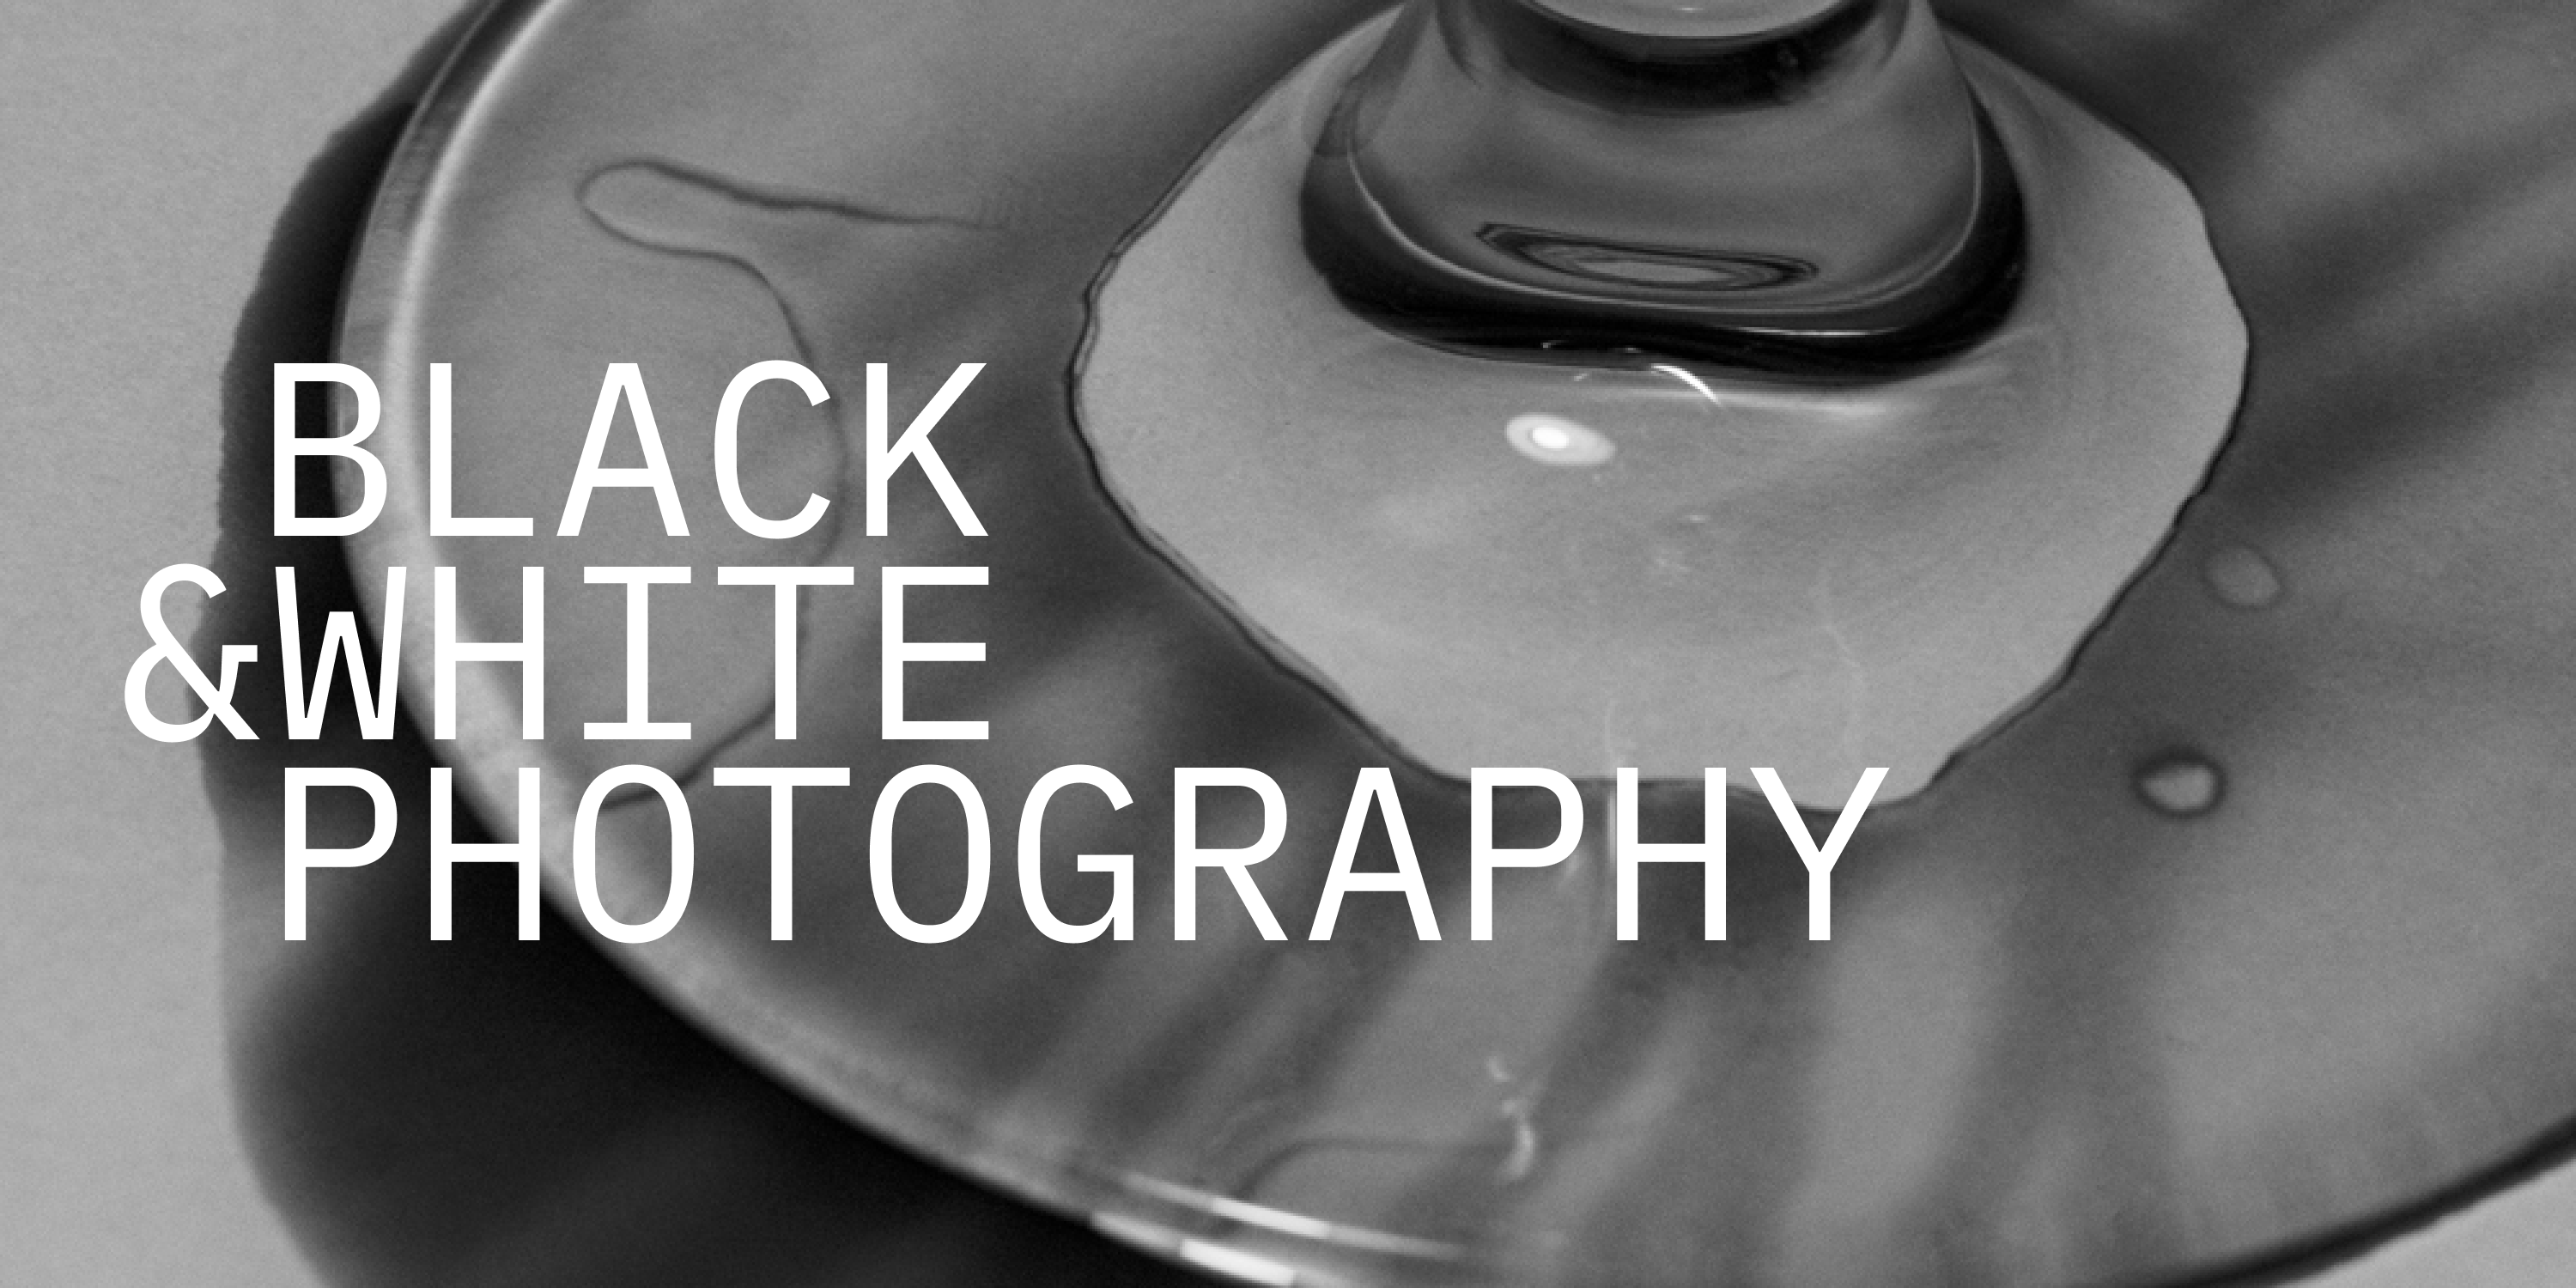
{"x":166,"y":649}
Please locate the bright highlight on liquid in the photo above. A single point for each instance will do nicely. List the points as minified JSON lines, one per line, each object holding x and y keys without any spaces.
{"x":1554,"y":440}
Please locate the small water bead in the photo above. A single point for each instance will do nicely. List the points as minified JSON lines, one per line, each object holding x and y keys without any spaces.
{"x":1554,"y":440}
{"x":2181,"y":784}
{"x":2241,"y":578}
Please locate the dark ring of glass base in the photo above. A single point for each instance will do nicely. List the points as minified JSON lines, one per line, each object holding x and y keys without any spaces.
{"x":1382,"y":277}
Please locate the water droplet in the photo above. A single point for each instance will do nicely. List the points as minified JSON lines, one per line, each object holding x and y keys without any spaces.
{"x":1554,"y":440}
{"x":2182,"y":784}
{"x":2241,"y":578}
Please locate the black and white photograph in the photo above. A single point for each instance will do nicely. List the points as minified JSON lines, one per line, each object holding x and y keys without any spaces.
{"x":1307,"y":643}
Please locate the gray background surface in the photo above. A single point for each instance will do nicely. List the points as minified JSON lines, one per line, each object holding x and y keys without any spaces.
{"x":148,"y":148}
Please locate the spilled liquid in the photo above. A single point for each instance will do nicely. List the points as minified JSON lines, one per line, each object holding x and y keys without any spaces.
{"x":1719,"y":569}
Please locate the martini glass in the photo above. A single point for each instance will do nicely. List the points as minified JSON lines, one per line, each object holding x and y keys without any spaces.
{"x":2215,"y":912}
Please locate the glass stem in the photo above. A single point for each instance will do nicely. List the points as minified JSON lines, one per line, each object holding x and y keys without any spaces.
{"x":1801,"y":189}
